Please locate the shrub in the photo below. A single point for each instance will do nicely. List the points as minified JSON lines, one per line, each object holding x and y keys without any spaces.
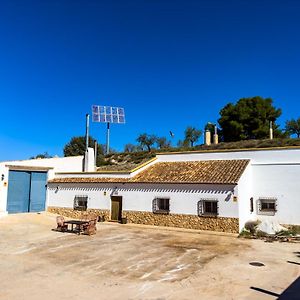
{"x":251,"y":226}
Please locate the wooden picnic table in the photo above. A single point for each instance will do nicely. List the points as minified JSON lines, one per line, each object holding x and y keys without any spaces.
{"x":79,"y":225}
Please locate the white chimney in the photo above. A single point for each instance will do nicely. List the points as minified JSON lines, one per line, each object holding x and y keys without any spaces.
{"x":89,"y":160}
{"x":207,"y":138}
{"x":271,"y":131}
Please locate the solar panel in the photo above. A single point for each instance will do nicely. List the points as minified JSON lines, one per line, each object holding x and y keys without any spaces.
{"x":108,"y":114}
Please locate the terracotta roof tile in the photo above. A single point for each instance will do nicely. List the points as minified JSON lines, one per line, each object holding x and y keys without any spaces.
{"x":209,"y":172}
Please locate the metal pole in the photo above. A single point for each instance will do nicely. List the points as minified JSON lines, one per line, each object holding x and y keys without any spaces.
{"x":107,"y":139}
{"x":96,"y":147}
{"x":87,"y":131}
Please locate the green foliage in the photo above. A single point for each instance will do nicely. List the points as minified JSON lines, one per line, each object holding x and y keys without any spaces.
{"x":293,"y":230}
{"x":162,"y":143}
{"x":182,"y":145}
{"x":293,"y":127}
{"x":245,"y":234}
{"x":251,"y":226}
{"x":249,"y":118}
{"x":41,"y":155}
{"x":130,"y":148}
{"x":76,"y":146}
{"x":146,"y":140}
{"x":191,"y":135}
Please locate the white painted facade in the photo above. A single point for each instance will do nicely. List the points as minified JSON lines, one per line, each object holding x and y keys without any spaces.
{"x":49,"y":165}
{"x":271,"y":173}
{"x":139,"y":197}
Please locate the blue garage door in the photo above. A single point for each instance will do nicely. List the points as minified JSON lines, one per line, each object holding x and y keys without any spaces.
{"x":26,"y":191}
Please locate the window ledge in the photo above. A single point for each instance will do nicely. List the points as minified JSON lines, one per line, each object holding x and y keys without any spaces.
{"x":209,"y":215}
{"x":162,"y":212}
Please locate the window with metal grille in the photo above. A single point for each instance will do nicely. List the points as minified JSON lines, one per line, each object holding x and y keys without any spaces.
{"x":208,"y":207}
{"x":267,"y":206}
{"x":80,"y":202}
{"x":161,"y":205}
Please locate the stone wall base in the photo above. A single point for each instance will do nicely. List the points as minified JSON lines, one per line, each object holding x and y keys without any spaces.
{"x":220,"y":224}
{"x":76,"y":214}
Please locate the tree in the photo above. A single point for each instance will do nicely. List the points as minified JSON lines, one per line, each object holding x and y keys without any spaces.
{"x":41,"y":155}
{"x":76,"y":146}
{"x":249,"y":118}
{"x":146,"y":140}
{"x":182,"y":144}
{"x":293,"y":127}
{"x":163,"y":143}
{"x":192,"y":135}
{"x":130,"y":148}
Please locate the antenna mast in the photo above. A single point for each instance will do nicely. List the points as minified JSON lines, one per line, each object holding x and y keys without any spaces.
{"x":87,"y":127}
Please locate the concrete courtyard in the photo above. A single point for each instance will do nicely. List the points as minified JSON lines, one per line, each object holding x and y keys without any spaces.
{"x":138,"y":262}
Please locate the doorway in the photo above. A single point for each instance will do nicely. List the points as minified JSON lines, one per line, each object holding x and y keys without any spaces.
{"x":116,"y":208}
{"x":26,"y":191}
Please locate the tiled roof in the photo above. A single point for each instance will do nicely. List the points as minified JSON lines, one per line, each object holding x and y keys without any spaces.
{"x":209,"y":171}
{"x":205,"y":172}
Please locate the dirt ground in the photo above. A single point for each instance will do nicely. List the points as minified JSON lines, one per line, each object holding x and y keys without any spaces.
{"x":138,"y":263}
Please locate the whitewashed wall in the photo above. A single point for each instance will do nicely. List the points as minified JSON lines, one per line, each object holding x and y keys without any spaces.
{"x":245,"y":192}
{"x":58,"y":164}
{"x":138,"y":197}
{"x":256,"y":156}
{"x":272,"y":173}
{"x":280,"y":181}
{"x":3,"y":189}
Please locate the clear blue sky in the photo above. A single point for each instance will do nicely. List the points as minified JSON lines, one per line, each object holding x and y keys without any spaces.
{"x":169,"y":63}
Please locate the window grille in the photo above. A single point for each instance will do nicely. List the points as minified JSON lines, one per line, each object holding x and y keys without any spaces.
{"x":208,"y":207}
{"x":161,"y":205}
{"x":267,"y":206}
{"x":80,"y":202}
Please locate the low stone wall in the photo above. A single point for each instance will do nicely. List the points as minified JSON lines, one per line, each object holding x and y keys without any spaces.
{"x":220,"y":224}
{"x":77,"y":214}
{"x":183,"y":221}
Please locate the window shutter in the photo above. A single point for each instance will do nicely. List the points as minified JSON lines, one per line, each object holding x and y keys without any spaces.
{"x":200,"y":207}
{"x":154,"y":205}
{"x":258,"y":205}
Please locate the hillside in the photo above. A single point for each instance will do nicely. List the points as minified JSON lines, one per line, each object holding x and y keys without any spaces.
{"x":129,"y":160}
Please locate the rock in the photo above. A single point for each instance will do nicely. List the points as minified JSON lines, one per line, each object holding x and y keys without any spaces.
{"x":270,"y":227}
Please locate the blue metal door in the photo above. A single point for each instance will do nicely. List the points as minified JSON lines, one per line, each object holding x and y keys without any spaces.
{"x":38,"y":191}
{"x":18,"y":191}
{"x":26,"y":191}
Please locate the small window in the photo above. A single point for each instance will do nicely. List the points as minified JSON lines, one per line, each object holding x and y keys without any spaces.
{"x":208,"y":207}
{"x":267,"y":206}
{"x":161,"y":205}
{"x":80,"y":202}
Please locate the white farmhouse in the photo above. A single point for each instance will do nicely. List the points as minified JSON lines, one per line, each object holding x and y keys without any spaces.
{"x":211,"y":190}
